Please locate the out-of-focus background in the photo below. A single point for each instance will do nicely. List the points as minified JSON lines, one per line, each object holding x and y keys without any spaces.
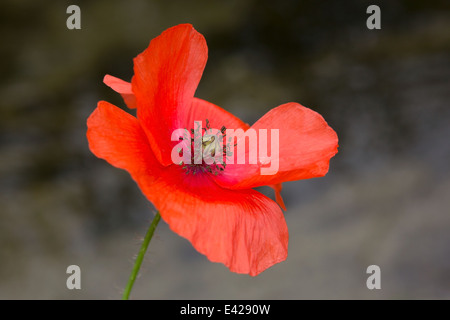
{"x":385,"y":200}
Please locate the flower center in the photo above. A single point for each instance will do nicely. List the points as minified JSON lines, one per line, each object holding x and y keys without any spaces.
{"x":208,"y":153}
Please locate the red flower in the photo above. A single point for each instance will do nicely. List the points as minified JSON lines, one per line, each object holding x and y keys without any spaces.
{"x":219,"y":213}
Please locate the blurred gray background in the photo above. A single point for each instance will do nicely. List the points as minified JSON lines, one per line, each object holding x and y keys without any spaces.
{"x":385,"y":200}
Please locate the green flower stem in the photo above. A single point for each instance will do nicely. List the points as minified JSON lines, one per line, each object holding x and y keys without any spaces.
{"x":140,"y":257}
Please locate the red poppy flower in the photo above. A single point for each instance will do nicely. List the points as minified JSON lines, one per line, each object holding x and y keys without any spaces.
{"x":218,"y":212}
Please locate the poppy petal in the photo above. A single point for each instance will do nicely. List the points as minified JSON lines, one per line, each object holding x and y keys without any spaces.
{"x":306,"y":144}
{"x":277,"y":188}
{"x":117,"y":137}
{"x":166,"y":76}
{"x":122,"y":87}
{"x":242,"y":229}
{"x":202,"y":110}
